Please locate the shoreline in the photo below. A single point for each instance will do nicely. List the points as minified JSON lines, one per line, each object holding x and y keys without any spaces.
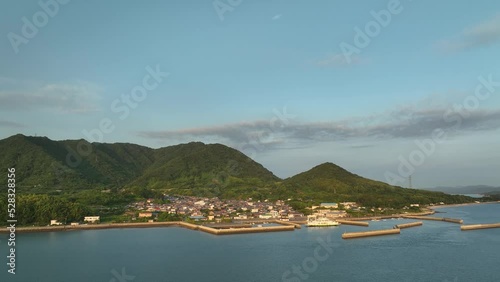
{"x":461,"y":205}
{"x":182,"y":224}
{"x":285,"y":226}
{"x":430,"y":210}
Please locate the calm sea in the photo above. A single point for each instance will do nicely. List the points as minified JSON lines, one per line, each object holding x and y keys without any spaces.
{"x":437,"y":251}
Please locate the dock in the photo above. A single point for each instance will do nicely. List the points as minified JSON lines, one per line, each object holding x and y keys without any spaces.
{"x":408,"y":225}
{"x":350,"y":222}
{"x":452,"y":220}
{"x":352,"y":235}
{"x":479,"y":226}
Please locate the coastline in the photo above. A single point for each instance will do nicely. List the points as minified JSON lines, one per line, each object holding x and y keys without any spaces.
{"x":286,"y":226}
{"x":430,"y":210}
{"x":295,"y":225}
{"x":460,"y":205}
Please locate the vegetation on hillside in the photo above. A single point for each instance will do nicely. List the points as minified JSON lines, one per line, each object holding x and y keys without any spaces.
{"x":52,"y":173}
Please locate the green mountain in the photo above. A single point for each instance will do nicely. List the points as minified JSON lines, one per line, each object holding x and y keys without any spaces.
{"x":330,"y":183}
{"x":205,"y":170}
{"x":45,"y":166}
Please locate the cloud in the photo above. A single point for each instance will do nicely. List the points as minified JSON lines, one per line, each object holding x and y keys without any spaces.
{"x":483,"y":34}
{"x":79,"y":97}
{"x":338,"y":60}
{"x":276,"y":17}
{"x":401,"y":123}
{"x":11,"y":124}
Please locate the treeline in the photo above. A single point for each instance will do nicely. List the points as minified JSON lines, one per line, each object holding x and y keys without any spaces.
{"x":41,"y":209}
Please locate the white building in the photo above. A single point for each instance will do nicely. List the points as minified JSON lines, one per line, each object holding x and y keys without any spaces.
{"x":265,"y":216}
{"x":92,"y":219}
{"x":329,"y":205}
{"x":55,"y":222}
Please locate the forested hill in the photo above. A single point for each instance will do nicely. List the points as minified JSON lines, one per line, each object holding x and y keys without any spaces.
{"x":329,"y":181}
{"x":44,"y":165}
{"x":47,"y":167}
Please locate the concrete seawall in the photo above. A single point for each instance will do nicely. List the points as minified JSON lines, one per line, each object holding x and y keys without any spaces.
{"x":479,"y":226}
{"x":296,"y":224}
{"x":408,"y":225}
{"x":91,"y":227}
{"x":452,"y":220}
{"x":352,"y":235}
{"x":203,"y":228}
{"x":349,"y":222}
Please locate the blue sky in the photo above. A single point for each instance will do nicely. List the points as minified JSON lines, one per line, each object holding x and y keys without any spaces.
{"x":269,"y":78}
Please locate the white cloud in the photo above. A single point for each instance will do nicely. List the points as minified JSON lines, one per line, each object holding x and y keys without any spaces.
{"x":78,"y":97}
{"x":276,"y":17}
{"x":405,"y":122}
{"x":482,"y":34}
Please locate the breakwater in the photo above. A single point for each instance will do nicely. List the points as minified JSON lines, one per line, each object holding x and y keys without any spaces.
{"x":352,"y":235}
{"x":452,"y":220}
{"x":349,"y":222}
{"x":296,"y":224}
{"x":408,"y":225}
{"x":479,"y":226}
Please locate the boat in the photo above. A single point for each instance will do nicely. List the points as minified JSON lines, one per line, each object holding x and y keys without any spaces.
{"x":321,"y":222}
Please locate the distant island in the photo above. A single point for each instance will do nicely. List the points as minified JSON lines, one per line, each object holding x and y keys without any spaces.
{"x":68,"y":180}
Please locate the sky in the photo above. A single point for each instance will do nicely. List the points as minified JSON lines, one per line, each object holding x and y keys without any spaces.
{"x":385,"y":89}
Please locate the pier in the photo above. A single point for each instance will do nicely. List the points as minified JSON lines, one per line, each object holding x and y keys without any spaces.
{"x":349,"y":222}
{"x":352,"y":235}
{"x":408,"y":225}
{"x":479,"y":226}
{"x":452,"y":220}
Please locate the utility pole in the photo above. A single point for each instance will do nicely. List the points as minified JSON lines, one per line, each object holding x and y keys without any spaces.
{"x":409,"y":182}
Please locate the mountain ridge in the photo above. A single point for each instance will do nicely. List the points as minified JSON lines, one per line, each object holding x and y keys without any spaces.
{"x":194,"y":168}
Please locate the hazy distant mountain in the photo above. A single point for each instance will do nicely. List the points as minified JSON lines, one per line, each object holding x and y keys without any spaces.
{"x":474,"y":189}
{"x":43,"y":166}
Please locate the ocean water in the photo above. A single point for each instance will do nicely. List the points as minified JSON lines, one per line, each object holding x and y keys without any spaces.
{"x":436,"y":251}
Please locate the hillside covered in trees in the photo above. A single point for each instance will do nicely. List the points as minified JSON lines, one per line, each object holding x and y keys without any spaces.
{"x":78,"y":171}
